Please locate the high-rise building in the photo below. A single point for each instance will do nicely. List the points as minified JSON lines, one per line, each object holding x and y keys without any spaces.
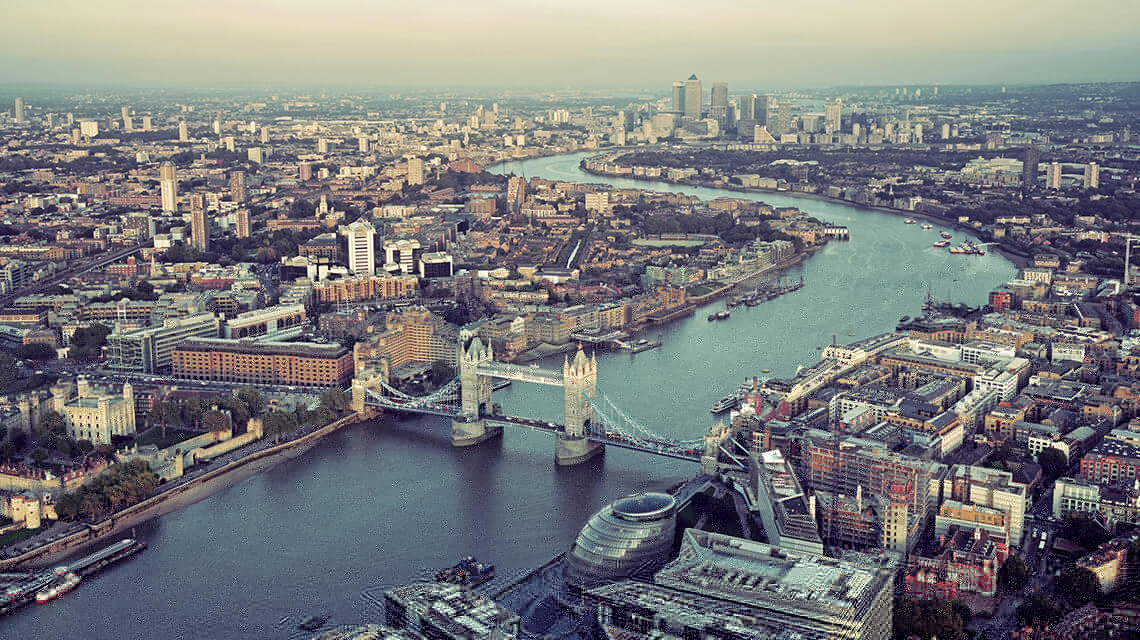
{"x":516,"y":193}
{"x":694,"y":98}
{"x":127,"y":124}
{"x":304,"y":171}
{"x":199,"y":229}
{"x":760,"y":105}
{"x":237,"y":186}
{"x":1029,"y":166}
{"x":719,"y":96}
{"x":168,"y":184}
{"x":781,"y":122}
{"x":361,"y":237}
{"x":415,"y":170}
{"x":89,"y":128}
{"x":244,"y":224}
{"x":679,"y":97}
{"x":1092,"y":175}
{"x":833,"y":117}
{"x":362,"y":144}
{"x":264,"y":135}
{"x":255,"y":154}
{"x":322,"y":145}
{"x":746,"y":110}
{"x":18,"y":110}
{"x":1053,"y":176}
{"x":147,"y":124}
{"x":183,"y":132}
{"x":402,"y":253}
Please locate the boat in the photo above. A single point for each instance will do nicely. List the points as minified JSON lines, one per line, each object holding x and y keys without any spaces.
{"x":927,"y":226}
{"x":712,"y":316}
{"x":312,"y":623}
{"x":909,"y":221}
{"x":765,"y":371}
{"x":467,"y":572}
{"x":722,"y":315}
{"x":851,"y":333}
{"x":62,"y":586}
{"x":725,"y":403}
{"x":942,"y":243}
{"x":946,"y":235}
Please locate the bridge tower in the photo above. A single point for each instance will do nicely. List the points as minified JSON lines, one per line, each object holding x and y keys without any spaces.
{"x":469,"y":427}
{"x":580,"y":380}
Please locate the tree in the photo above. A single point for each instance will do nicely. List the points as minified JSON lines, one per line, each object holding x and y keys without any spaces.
{"x":336,"y":400}
{"x":1053,"y":463}
{"x":441,"y":372}
{"x":1037,"y":610}
{"x":1084,"y":531}
{"x":164,"y":413}
{"x":87,"y":342}
{"x":1013,"y":574}
{"x":39,"y":455}
{"x":254,"y":402}
{"x":276,"y":423}
{"x":1079,"y":583}
{"x":54,"y":422}
{"x":215,"y":420}
{"x":36,"y":351}
{"x":7,"y":370}
{"x":926,"y":618}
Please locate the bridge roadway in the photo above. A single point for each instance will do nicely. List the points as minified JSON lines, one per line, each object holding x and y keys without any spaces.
{"x":100,"y":262}
{"x":532,"y":374}
{"x":609,"y":439}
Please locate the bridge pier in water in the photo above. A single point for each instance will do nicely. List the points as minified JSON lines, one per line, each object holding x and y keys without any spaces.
{"x":579,"y":384}
{"x":470,"y":427}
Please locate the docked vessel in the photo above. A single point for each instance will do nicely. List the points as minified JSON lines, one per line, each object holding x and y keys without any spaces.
{"x":968,"y":248}
{"x":312,"y":623}
{"x":942,"y":243}
{"x":62,"y":586}
{"x":927,"y":226}
{"x":467,"y":572}
{"x":725,"y":403}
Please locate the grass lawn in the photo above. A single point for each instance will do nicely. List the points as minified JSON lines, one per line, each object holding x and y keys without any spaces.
{"x":173,"y":436}
{"x":18,"y":535}
{"x":702,"y":289}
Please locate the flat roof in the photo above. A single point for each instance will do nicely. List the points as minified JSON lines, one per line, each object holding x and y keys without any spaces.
{"x":252,"y":346}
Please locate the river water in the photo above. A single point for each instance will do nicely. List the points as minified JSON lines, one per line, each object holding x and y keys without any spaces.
{"x":382,"y":503}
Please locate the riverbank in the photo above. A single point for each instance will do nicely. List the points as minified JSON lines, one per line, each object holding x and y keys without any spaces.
{"x":1017,"y":259}
{"x":175,"y":498}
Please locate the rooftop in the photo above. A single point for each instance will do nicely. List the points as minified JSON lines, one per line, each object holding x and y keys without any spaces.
{"x":250,"y":346}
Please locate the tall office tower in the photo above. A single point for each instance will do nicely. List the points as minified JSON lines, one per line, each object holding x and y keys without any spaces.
{"x":168,"y":183}
{"x":183,"y":132}
{"x":719,"y":95}
{"x":147,"y":124}
{"x":833,"y":117}
{"x":197,"y":202}
{"x":679,"y":97}
{"x":255,"y":154}
{"x":781,"y":122}
{"x":415,"y":170}
{"x":199,"y":232}
{"x":1029,"y":166}
{"x":1092,"y":175}
{"x":229,"y":143}
{"x":361,"y":238}
{"x":127,"y":124}
{"x":237,"y":186}
{"x":304,"y":172}
{"x":1053,"y":175}
{"x":362,"y":144}
{"x":946,"y":131}
{"x":694,"y":98}
{"x":51,"y":121}
{"x":18,"y":112}
{"x":89,"y":128}
{"x":746,"y":110}
{"x":760,"y":106}
{"x":244,"y":224}
{"x":71,"y":119}
{"x":516,"y":193}
{"x":264,"y":135}
{"x":322,"y":145}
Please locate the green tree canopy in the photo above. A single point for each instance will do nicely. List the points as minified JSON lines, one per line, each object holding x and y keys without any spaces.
{"x":1053,"y":463}
{"x":1013,"y":573}
{"x":1079,"y":583}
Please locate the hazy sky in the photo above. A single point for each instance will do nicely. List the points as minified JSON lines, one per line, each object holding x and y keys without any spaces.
{"x":587,"y":43}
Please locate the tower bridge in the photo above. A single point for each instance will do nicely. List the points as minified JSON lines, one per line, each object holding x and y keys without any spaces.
{"x":590,"y":421}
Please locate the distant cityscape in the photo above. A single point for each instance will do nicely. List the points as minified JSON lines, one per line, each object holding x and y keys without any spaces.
{"x":197,"y":287}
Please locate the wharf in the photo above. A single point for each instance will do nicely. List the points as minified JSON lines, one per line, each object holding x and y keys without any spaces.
{"x":24,"y":591}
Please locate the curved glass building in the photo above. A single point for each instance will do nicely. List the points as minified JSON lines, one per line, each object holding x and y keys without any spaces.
{"x":631,"y":535}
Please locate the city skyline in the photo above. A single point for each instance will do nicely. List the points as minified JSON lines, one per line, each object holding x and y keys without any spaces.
{"x":513,"y":44}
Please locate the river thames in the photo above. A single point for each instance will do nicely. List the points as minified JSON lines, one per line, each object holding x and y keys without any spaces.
{"x":384,"y":503}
